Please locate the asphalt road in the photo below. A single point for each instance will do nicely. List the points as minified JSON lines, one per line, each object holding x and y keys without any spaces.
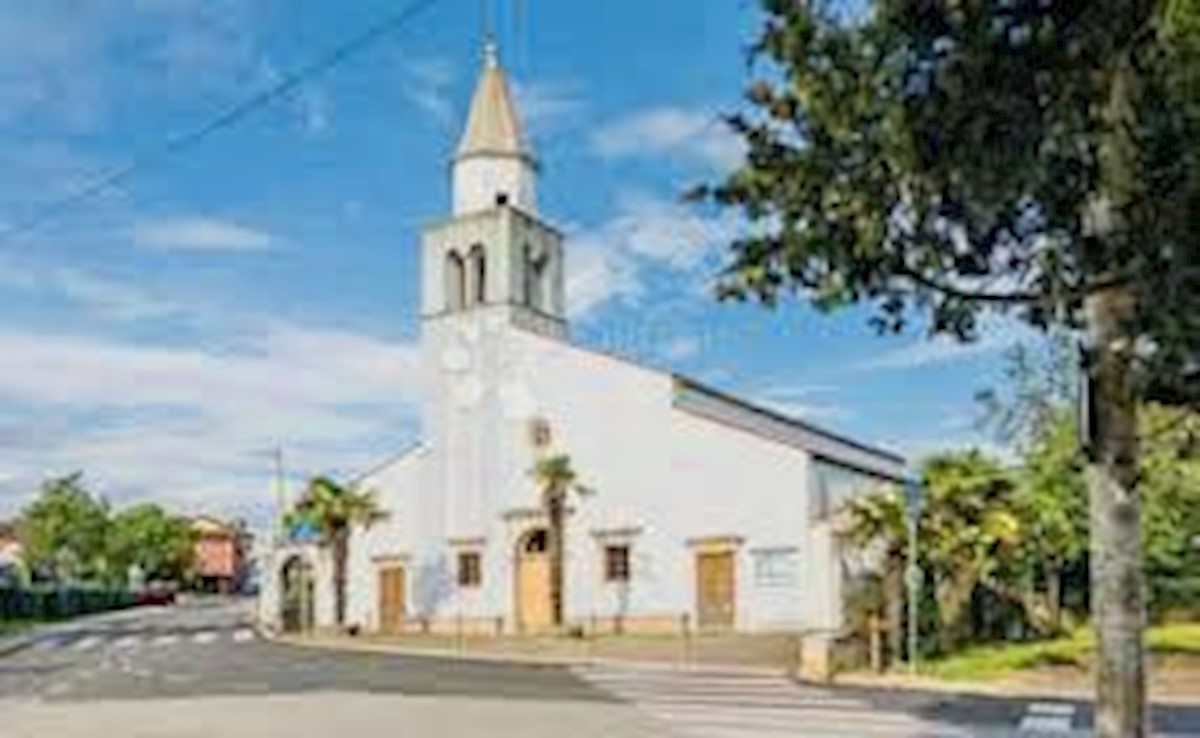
{"x":200,"y":670}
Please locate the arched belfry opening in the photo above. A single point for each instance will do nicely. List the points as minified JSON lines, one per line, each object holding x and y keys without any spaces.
{"x":477,"y":280}
{"x":537,"y":270}
{"x":456,"y":278}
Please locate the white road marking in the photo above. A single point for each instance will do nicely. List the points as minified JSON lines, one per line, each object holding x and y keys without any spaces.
{"x":48,"y":644}
{"x":1048,"y":718}
{"x":244,"y":635}
{"x":87,"y":643}
{"x":698,"y":705}
{"x":166,"y":639}
{"x":128,"y":641}
{"x":204,"y":637}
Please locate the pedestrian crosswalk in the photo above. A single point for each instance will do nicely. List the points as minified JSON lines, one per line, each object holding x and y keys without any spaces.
{"x":84,"y":642}
{"x":705,"y":705}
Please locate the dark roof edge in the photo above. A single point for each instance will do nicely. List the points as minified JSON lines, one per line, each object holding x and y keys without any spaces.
{"x":687,"y":383}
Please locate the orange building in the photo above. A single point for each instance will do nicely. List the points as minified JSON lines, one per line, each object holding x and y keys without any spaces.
{"x":221,"y":555}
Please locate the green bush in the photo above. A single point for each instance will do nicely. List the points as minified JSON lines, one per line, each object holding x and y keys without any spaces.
{"x":43,"y":603}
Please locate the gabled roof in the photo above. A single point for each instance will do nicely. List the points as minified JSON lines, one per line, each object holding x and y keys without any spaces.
{"x":493,"y":126}
{"x":707,"y":402}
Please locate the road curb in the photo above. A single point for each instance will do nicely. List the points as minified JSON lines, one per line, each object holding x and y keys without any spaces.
{"x":980,"y":689}
{"x":958,"y":689}
{"x":15,"y":644}
{"x":524,"y":659}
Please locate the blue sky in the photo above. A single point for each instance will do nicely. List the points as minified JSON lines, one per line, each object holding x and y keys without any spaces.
{"x":261,"y":288}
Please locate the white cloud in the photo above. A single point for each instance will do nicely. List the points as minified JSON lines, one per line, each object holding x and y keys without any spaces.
{"x":694,"y":134}
{"x":116,"y":300}
{"x":429,"y":85}
{"x":65,"y":63}
{"x":97,"y":294}
{"x":917,"y":450}
{"x":996,"y":336}
{"x":190,"y":426}
{"x":610,"y":262}
{"x":545,"y":105}
{"x":314,"y":106}
{"x":680,"y":348}
{"x":200,"y":234}
{"x":801,"y":401}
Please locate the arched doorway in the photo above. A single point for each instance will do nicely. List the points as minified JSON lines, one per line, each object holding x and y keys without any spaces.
{"x":296,"y":595}
{"x":534,"y":612}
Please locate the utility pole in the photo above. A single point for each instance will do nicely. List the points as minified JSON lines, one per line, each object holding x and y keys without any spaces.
{"x":280,"y":493}
{"x":914,"y":497}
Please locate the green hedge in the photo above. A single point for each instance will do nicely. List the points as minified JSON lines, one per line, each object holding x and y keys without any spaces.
{"x":57,"y":603}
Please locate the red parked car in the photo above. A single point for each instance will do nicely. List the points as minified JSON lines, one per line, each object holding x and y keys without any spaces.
{"x":155,"y":596}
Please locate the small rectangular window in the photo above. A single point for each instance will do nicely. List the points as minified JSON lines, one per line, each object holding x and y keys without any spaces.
{"x":470,"y":569}
{"x":776,"y":567}
{"x":616,"y":563}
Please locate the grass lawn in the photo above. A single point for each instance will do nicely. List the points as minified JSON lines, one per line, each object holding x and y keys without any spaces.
{"x":984,"y":663}
{"x":12,"y":627}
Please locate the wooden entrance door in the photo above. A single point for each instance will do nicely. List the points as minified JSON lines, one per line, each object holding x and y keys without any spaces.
{"x":533,"y":608}
{"x":391,"y":599}
{"x":715,"y":590}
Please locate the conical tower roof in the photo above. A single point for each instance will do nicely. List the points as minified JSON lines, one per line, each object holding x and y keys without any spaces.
{"x":493,"y":126}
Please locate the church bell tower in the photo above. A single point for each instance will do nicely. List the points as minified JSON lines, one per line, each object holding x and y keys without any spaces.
{"x":495,"y":255}
{"x":492,"y":280}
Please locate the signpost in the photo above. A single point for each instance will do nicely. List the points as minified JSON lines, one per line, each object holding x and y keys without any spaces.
{"x":914,"y":502}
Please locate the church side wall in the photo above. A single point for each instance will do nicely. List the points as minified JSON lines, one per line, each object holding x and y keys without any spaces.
{"x":729,"y":483}
{"x":384,"y":543}
{"x":664,"y":480}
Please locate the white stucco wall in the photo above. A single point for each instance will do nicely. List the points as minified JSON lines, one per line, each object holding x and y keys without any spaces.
{"x":662,"y":477}
{"x":674,"y":477}
{"x":668,"y":475}
{"x":387,"y":542}
{"x":477,"y":181}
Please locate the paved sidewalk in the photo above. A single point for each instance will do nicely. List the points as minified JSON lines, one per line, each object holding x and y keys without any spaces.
{"x":14,"y":642}
{"x":1168,"y":686}
{"x":770,"y":655}
{"x":747,"y":656}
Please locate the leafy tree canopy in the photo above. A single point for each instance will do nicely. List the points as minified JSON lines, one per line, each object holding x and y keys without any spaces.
{"x":940,"y":158}
{"x":147,"y":536}
{"x":64,"y":530}
{"x":331,"y":508}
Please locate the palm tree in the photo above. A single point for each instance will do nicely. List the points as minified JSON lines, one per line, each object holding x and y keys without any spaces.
{"x":557,"y":479}
{"x":333,"y":510}
{"x":880,"y":519}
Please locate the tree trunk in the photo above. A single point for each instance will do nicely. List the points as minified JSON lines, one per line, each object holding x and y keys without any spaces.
{"x":341,"y":553}
{"x":1118,"y":599}
{"x":893,"y":592}
{"x":1054,"y":576}
{"x":556,"y":534}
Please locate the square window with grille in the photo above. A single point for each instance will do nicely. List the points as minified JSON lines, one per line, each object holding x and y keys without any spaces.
{"x":470,"y":569}
{"x":616,"y":563}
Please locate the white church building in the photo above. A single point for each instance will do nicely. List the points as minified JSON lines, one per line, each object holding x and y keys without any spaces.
{"x":704,"y":512}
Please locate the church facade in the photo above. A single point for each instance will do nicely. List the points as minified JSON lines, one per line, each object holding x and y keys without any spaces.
{"x":697,"y":511}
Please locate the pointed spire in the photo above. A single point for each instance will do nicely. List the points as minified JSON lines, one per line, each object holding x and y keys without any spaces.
{"x":491,"y":53}
{"x":493,"y":127}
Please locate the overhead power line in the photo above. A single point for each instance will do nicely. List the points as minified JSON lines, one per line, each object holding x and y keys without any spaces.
{"x":283,"y":87}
